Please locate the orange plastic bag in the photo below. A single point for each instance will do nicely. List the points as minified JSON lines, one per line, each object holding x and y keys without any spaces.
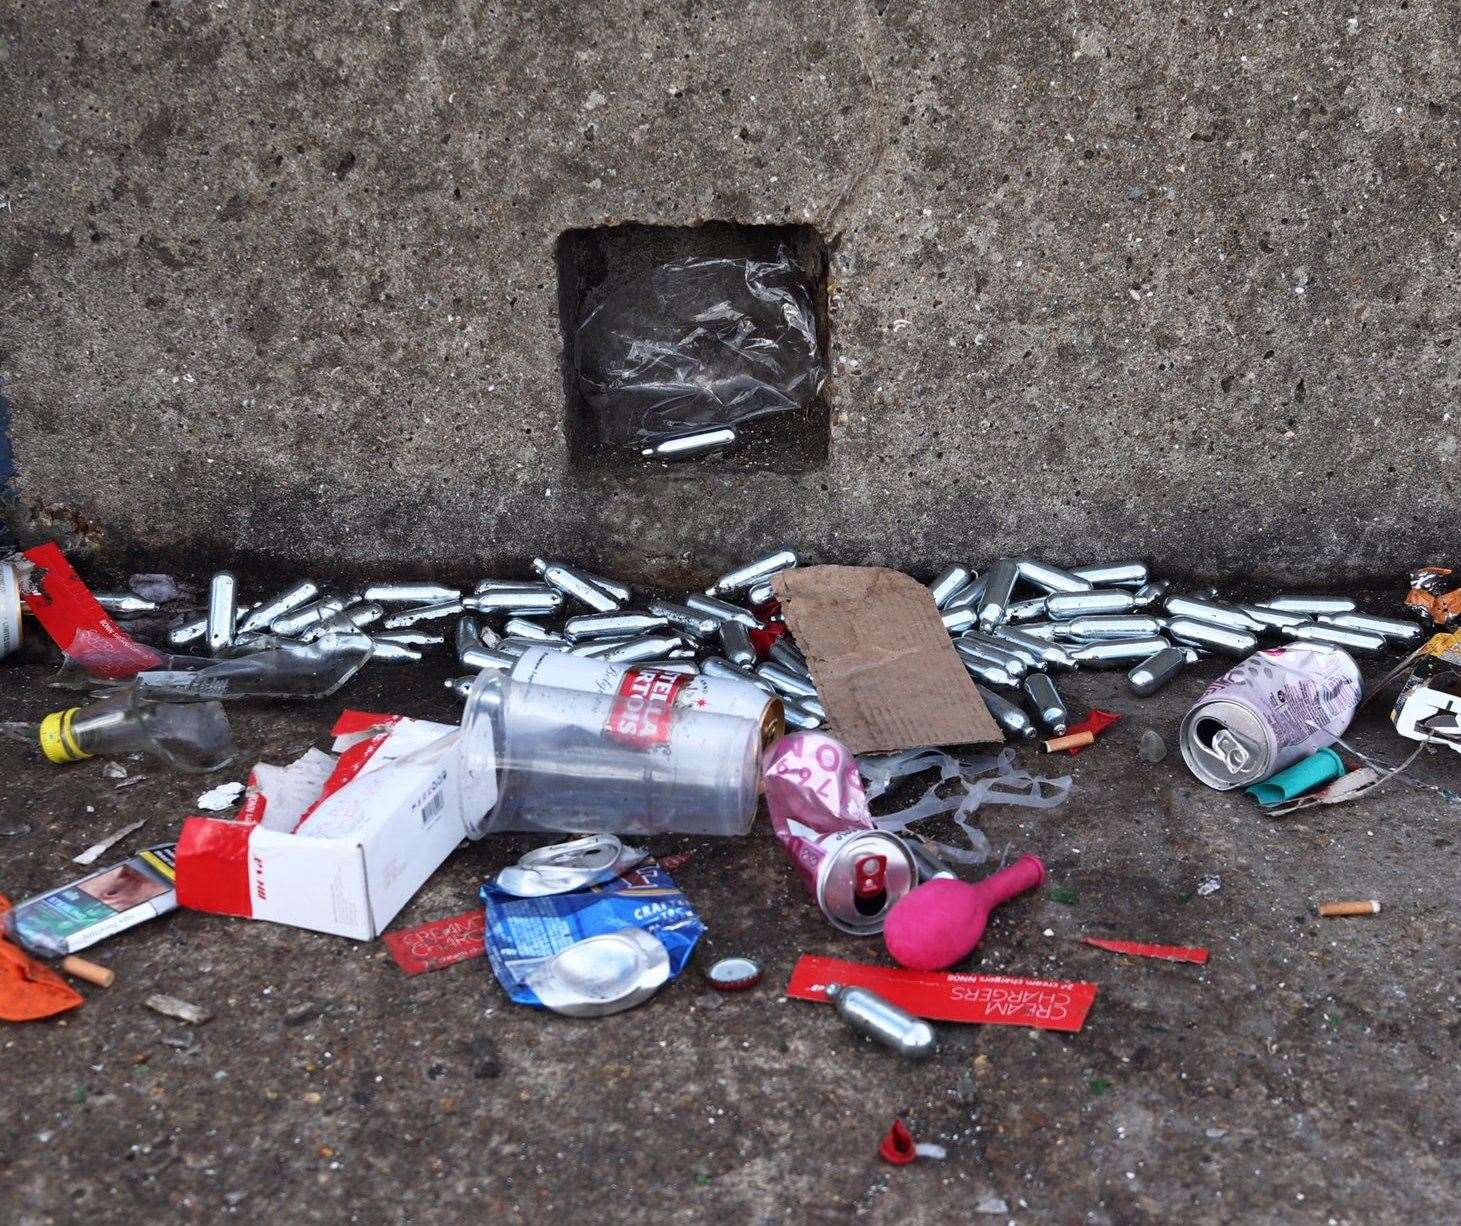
{"x":30,"y":990}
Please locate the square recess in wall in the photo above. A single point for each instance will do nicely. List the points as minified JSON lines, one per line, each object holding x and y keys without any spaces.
{"x":595,"y":263}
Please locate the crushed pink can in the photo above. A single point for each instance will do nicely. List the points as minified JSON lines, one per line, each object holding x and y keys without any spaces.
{"x":818,"y":808}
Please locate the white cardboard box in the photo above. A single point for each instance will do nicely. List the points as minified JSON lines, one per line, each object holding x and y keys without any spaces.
{"x":333,"y":844}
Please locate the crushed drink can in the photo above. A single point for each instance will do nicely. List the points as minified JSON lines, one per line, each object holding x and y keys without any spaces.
{"x":1275,"y":708}
{"x":818,"y":808}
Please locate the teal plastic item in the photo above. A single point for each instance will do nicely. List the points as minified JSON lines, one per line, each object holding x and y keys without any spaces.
{"x":1313,"y":772}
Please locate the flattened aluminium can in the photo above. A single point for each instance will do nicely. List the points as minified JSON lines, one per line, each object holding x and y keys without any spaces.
{"x":1275,"y":708}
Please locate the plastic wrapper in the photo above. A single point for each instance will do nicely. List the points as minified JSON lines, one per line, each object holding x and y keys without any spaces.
{"x":986,"y":779}
{"x":697,"y":344}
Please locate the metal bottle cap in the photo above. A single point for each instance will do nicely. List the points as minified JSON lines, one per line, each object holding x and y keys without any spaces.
{"x":733,"y":975}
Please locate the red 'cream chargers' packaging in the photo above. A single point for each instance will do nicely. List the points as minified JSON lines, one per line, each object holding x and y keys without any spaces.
{"x":335,"y":843}
{"x":945,"y":996}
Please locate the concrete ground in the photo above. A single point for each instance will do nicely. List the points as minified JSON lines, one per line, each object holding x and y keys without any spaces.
{"x":1307,"y":1073}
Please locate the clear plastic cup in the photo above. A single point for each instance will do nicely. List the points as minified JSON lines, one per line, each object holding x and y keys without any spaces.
{"x":623,"y":757}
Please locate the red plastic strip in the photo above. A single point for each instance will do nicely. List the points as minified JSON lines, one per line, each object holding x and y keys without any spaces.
{"x":82,"y":629}
{"x":1172,"y":953}
{"x":897,"y":1145}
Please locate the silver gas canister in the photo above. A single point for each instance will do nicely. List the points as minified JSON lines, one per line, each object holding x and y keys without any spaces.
{"x":9,"y":609}
{"x":1275,"y":708}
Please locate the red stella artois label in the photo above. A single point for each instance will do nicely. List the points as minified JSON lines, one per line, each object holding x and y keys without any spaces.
{"x":644,"y":707}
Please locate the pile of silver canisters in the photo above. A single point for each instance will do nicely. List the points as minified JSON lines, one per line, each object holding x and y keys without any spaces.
{"x":1013,"y":626}
{"x":567,"y":608}
{"x":1022,"y":620}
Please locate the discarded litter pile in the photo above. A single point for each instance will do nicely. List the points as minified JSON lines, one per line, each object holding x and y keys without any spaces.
{"x":594,"y":710}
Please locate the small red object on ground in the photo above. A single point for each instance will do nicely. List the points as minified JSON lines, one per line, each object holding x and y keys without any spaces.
{"x":443,"y":942}
{"x":897,"y":1145}
{"x":1095,"y":723}
{"x":762,"y":639}
{"x":1172,"y":953}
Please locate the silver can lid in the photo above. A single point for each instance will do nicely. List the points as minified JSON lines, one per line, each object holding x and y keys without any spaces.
{"x":862,"y":879}
{"x":564,"y":867}
{"x":602,"y":974}
{"x":1226,"y":745}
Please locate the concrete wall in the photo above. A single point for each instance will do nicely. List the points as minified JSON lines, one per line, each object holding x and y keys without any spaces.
{"x":1167,"y":279}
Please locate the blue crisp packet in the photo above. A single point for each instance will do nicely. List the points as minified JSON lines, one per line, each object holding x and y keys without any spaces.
{"x":522,"y":932}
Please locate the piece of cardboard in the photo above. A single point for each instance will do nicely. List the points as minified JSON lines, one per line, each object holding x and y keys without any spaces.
{"x":882,"y":659}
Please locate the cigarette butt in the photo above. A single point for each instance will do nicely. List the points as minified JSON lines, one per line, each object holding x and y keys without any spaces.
{"x":1074,"y":741}
{"x":1337,"y":910}
{"x":89,"y":971}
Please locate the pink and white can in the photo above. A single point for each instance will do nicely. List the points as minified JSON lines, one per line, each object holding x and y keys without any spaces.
{"x":818,"y":808}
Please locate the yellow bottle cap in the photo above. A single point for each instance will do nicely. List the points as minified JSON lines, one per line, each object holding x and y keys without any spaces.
{"x":58,"y":742}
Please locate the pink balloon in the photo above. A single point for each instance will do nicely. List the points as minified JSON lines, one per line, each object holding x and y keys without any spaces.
{"x":941,"y":921}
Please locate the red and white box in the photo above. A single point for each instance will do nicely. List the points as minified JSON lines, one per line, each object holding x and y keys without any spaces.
{"x":334,"y":843}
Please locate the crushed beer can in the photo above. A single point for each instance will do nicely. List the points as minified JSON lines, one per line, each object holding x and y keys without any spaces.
{"x":562,"y":868}
{"x":1276,"y":707}
{"x":819,"y":813}
{"x":525,"y":938}
{"x":601,"y":975}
